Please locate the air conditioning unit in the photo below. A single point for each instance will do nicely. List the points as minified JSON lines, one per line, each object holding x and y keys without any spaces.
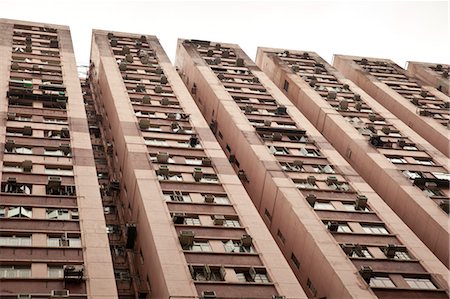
{"x":193,"y":140}
{"x":445,"y":206}
{"x":424,"y":112}
{"x":59,"y":294}
{"x":386,"y":130}
{"x":164,"y":102}
{"x":357,"y":97}
{"x":27,"y":165}
{"x":178,"y":218}
{"x":390,"y":250}
{"x":364,"y":61}
{"x":311,"y":179}
{"x":113,"y":42}
{"x":163,"y":79}
{"x":343,"y":105}
{"x":358,"y":106}
{"x":144,"y":59}
{"x":206,"y":161}
{"x":366,"y":273}
{"x":240,"y":62}
{"x":65,"y":148}
{"x":65,"y":133}
{"x":333,"y":226}
{"x":242,"y":176}
{"x":295,"y":68}
{"x":54,"y":181}
{"x":208,"y":295}
{"x":73,"y":273}
{"x":144,"y":124}
{"x":331,"y":180}
{"x":186,"y":237}
{"x":209,"y":198}
{"x":123,"y":66}
{"x":313,"y":82}
{"x":401,"y":143}
{"x":27,"y":130}
{"x":125,"y":50}
{"x":248,"y":108}
{"x":210,"y":53}
{"x":162,"y":157}
{"x":246,"y":240}
{"x":158,"y":89}
{"x":281,"y":110}
{"x":54,"y":43}
{"x":129,"y":58}
{"x":331,"y":95}
{"x":163,"y":170}
{"x":217,"y":60}
{"x":372,"y":117}
{"x":423,"y":93}
{"x":198,"y":174}
{"x":110,"y":35}
{"x":361,"y":202}
{"x":158,"y":71}
{"x":232,"y":158}
{"x":219,"y":219}
{"x":10,"y":145}
{"x":278,"y":297}
{"x":348,"y":248}
{"x":220,"y":76}
{"x":311,"y":199}
{"x":23,"y":296}
{"x":146,"y":99}
{"x":11,"y":115}
{"x":225,"y":54}
{"x":277,"y":136}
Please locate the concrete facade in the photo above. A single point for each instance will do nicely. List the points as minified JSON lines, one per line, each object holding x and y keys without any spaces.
{"x":331,"y":226}
{"x":197,"y":233}
{"x":52,"y":230}
{"x":405,"y":170}
{"x":420,"y":106}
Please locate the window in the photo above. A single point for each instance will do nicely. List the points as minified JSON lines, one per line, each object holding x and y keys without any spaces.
{"x":309,"y":152}
{"x":192,"y":220}
{"x":281,"y":236}
{"x":62,"y":214}
{"x":402,"y":255}
{"x":18,"y":212}
{"x":397,"y":160}
{"x":295,"y":261}
{"x":64,"y":241}
{"x":375,"y":229}
{"x":209,"y":178}
{"x":12,"y":271}
{"x":14,"y":187}
{"x":205,"y":273}
{"x":170,"y":177}
{"x":236,"y":246}
{"x":159,"y":142}
{"x":55,"y":271}
{"x":323,"y":206}
{"x":231,"y":223}
{"x":381,"y":282}
{"x":311,"y":287}
{"x":12,"y":167}
{"x":286,"y":85}
{"x":442,"y":176}
{"x":352,"y":207}
{"x":221,"y":199}
{"x":58,"y":170}
{"x":21,"y":150}
{"x":55,"y":152}
{"x":323,"y":168}
{"x":177,"y":196}
{"x":360,"y":251}
{"x":276,"y":150}
{"x":193,"y":161}
{"x":412,"y":174}
{"x":14,"y":240}
{"x":420,"y":283}
{"x":424,"y":161}
{"x":291,"y":167}
{"x":252,"y":275}
{"x":200,"y":246}
{"x":339,"y":186}
{"x":344,"y":228}
{"x":304,"y":184}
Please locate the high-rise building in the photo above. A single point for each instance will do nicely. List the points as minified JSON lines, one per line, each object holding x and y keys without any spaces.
{"x":423,"y":108}
{"x":434,"y":74}
{"x":53,"y":241}
{"x":340,"y":238}
{"x":403,"y":168}
{"x":194,"y":231}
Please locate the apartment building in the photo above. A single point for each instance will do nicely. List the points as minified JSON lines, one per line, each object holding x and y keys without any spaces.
{"x":422,"y":107}
{"x":403,"y":168}
{"x":433,"y":74}
{"x":53,"y":240}
{"x":339,"y":236}
{"x":195,"y":232}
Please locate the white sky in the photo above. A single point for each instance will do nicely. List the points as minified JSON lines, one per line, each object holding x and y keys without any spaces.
{"x":399,"y":30}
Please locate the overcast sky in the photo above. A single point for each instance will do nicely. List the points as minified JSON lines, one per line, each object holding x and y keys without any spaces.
{"x":399,"y":30}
